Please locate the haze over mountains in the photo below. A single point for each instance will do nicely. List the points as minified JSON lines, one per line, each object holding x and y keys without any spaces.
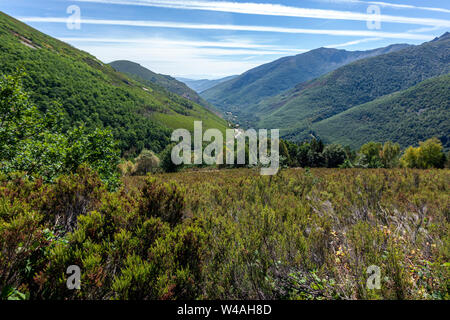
{"x":204,"y":84}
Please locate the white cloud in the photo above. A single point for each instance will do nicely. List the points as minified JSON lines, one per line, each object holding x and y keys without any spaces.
{"x":274,"y":10}
{"x":177,"y":61}
{"x":162,"y":42}
{"x":166,"y":24}
{"x":352,"y":43}
{"x":390,"y":5}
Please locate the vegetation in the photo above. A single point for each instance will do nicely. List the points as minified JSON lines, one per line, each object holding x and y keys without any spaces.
{"x":32,"y":142}
{"x":405,"y":117}
{"x":428,"y":155}
{"x":304,"y":109}
{"x":242,"y":94}
{"x":141,"y":74}
{"x":302,"y":234}
{"x":90,"y":92}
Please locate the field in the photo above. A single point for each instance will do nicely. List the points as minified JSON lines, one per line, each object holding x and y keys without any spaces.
{"x":229,"y":234}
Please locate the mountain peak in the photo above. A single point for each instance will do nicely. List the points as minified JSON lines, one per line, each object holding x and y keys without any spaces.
{"x":445,"y":36}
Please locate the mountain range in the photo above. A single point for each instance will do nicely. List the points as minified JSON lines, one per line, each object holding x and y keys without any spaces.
{"x":247,"y":90}
{"x":367,"y":99}
{"x":399,"y":93}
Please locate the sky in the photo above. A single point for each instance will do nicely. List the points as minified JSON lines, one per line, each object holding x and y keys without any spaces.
{"x":212,"y":39}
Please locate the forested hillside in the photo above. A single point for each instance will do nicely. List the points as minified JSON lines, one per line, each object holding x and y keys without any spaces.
{"x":93,"y":92}
{"x":142,"y":74}
{"x":406,"y":117}
{"x":296,"y":111}
{"x":243,"y":93}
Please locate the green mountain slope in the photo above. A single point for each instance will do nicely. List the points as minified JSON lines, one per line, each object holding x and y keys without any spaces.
{"x":93,"y":92}
{"x":241,"y":94}
{"x":142,"y":74}
{"x":408,"y":116}
{"x":204,"y":84}
{"x":362,"y":81}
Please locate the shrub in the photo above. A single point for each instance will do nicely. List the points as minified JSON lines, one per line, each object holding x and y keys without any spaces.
{"x":163,"y":200}
{"x":146,"y":162}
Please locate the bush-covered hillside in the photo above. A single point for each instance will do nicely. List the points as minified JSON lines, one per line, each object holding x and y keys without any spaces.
{"x":406,"y":117}
{"x":93,"y":92}
{"x":141,"y":74}
{"x":359,"y":82}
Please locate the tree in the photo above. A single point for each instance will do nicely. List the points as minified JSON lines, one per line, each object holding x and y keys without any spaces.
{"x":302,"y":155}
{"x":166,"y":159}
{"x":390,"y":154}
{"x":334,"y":155}
{"x":33,"y":142}
{"x":429,"y":154}
{"x":410,"y":158}
{"x":315,"y":156}
{"x":369,"y":155}
{"x":146,"y":162}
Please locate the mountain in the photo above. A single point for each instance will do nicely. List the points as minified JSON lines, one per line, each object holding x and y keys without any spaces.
{"x":140,"y":115}
{"x":297,"y":110}
{"x":247,"y":90}
{"x":204,"y":84}
{"x":142,"y":74}
{"x":406,"y":117}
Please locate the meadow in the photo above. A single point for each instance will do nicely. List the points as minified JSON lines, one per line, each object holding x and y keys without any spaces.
{"x":229,"y":234}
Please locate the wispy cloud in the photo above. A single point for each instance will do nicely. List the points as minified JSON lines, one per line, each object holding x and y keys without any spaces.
{"x":352,"y":43}
{"x":158,"y":42}
{"x":389,"y":5}
{"x":274,"y":10}
{"x":180,"y":25}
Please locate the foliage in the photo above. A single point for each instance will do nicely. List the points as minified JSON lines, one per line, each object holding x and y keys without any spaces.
{"x":166,"y":160}
{"x":429,"y":154}
{"x":141,"y":74}
{"x":146,"y":162}
{"x":302,"y":234}
{"x":32,"y":142}
{"x":333,"y":108}
{"x":405,"y":117}
{"x":334,"y":155}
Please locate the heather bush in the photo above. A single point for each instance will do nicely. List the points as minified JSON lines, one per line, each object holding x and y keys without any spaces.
{"x":301,"y":234}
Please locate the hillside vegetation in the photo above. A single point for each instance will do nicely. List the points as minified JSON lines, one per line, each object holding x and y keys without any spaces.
{"x":406,"y":117}
{"x":141,"y":74}
{"x":93,"y":92}
{"x":295,"y":111}
{"x":241,"y":94}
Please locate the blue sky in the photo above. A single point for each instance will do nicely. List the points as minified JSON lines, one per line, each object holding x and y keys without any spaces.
{"x":212,"y":39}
